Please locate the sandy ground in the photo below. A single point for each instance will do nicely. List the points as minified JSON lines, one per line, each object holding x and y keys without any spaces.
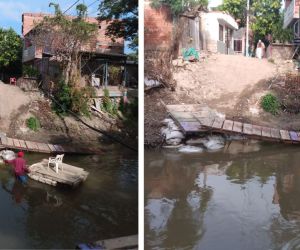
{"x":231,"y":84}
{"x":221,"y":79}
{"x":12,"y":98}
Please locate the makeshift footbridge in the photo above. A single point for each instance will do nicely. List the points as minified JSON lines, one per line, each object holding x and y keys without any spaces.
{"x":193,"y":119}
{"x":48,"y":148}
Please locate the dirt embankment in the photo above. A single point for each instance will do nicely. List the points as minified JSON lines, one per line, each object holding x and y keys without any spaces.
{"x":231,"y":84}
{"x":17,"y":106}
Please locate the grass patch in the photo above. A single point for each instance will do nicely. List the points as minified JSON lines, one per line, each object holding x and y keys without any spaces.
{"x":33,"y":123}
{"x":270,"y":104}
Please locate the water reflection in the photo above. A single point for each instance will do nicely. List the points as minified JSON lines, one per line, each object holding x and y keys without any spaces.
{"x":237,"y":198}
{"x":41,"y":216}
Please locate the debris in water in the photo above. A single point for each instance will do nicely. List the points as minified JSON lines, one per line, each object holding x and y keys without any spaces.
{"x":190,"y":149}
{"x":7,"y":155}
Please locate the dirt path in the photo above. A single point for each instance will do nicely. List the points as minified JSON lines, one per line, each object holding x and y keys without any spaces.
{"x":220,"y":79}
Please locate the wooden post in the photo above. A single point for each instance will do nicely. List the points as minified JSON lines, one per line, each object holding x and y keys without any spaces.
{"x":106,"y":75}
{"x":125,"y":74}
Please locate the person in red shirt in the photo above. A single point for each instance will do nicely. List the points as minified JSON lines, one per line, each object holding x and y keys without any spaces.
{"x":20,"y":168}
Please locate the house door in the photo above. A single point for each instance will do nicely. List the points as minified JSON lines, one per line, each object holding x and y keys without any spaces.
{"x":190,"y":37}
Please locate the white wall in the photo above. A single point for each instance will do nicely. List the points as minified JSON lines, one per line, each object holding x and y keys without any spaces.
{"x":210,"y":27}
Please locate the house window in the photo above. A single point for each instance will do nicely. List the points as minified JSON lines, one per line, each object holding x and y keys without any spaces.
{"x":237,"y":46}
{"x":221,"y":33}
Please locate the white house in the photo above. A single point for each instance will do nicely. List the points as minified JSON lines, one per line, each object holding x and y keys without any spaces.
{"x":217,"y":32}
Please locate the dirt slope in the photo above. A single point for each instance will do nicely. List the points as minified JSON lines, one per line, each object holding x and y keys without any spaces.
{"x":220,"y":79}
{"x":11,"y":99}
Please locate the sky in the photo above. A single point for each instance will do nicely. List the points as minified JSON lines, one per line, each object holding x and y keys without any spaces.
{"x":212,"y":3}
{"x":11,"y":10}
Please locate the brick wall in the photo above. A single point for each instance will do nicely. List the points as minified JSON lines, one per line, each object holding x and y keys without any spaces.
{"x":280,"y":51}
{"x":103,"y":43}
{"x":158,"y":28}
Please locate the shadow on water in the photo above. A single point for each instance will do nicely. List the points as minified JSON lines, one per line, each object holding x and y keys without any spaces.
{"x":242,"y":197}
{"x":41,"y":216}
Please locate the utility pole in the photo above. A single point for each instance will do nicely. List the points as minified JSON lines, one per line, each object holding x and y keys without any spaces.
{"x":247,"y":29}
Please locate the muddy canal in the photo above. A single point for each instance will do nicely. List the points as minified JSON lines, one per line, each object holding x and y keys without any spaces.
{"x":246,"y":196}
{"x":41,"y":216}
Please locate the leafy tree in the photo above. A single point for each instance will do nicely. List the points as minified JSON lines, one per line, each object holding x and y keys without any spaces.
{"x":65,"y":38}
{"x":237,"y":8}
{"x":179,"y":6}
{"x":10,"y":50}
{"x":281,"y":34}
{"x":267,"y":16}
{"x":123,"y":18}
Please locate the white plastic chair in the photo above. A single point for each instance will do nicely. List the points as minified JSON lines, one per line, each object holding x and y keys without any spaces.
{"x":56,"y":160}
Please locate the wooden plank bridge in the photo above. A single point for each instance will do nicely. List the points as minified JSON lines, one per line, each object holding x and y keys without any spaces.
{"x":197,"y":119}
{"x":47,"y":148}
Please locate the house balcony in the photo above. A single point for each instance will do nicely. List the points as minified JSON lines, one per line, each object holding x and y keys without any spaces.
{"x":291,"y":13}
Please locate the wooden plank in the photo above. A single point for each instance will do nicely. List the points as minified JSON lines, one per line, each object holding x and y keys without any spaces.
{"x":43,"y":147}
{"x":127,"y":242}
{"x":227,"y":125}
{"x":52,"y":148}
{"x":218,"y":123}
{"x":294,"y":136}
{"x":191,"y":126}
{"x":275,"y":133}
{"x":31,"y":146}
{"x":4,"y":140}
{"x":237,"y":127}
{"x":10,"y":142}
{"x":22,"y":144}
{"x":183,"y":116}
{"x":247,"y":129}
{"x":285,"y":135}
{"x":206,"y":121}
{"x":256,"y":130}
{"x":16,"y":143}
{"x":266,"y":132}
{"x":202,"y":114}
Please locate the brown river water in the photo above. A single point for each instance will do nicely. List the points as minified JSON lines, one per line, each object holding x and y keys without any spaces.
{"x":41,"y":216}
{"x":245,"y":196}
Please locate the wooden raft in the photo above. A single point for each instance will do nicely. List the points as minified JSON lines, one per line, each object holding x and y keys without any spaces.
{"x":48,"y":148}
{"x":70,"y":175}
{"x":196,"y":118}
{"x":126,"y":242}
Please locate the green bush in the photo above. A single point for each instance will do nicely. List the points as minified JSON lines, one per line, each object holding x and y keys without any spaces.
{"x":33,"y":123}
{"x":108,"y":105}
{"x":270,"y":104}
{"x":80,"y":100}
{"x":63,"y":98}
{"x":73,"y":99}
{"x":30,"y":71}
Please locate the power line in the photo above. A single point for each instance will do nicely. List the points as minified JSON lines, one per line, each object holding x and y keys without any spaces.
{"x":71,"y":6}
{"x":93,"y":3}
